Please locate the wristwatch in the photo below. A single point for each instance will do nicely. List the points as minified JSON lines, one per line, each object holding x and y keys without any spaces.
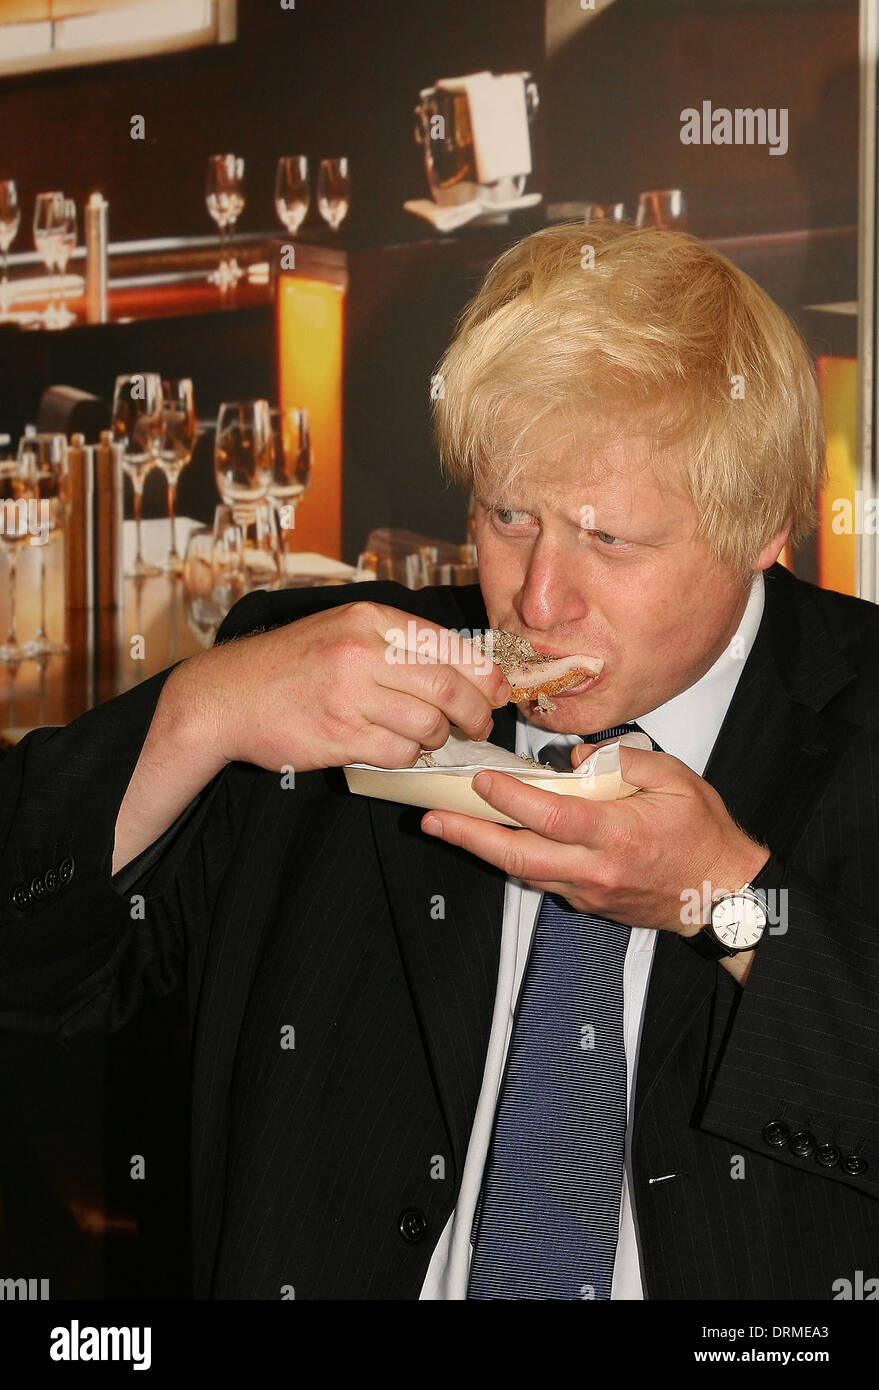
{"x":737,"y":921}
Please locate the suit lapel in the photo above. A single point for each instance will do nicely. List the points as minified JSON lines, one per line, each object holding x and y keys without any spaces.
{"x":770,"y":763}
{"x":451,"y":959}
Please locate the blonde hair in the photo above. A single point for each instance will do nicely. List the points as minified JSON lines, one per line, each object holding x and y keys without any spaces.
{"x":651,"y":332}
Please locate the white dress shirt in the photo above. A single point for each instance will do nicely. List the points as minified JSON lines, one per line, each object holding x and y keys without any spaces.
{"x":686,"y":727}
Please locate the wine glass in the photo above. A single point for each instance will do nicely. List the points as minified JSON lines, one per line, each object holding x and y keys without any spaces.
{"x":662,"y":208}
{"x":291,"y":462}
{"x":243,"y":453}
{"x":49,"y":224}
{"x":203,"y":612}
{"x":10,"y":219}
{"x":16,"y":511}
{"x":334,"y":191}
{"x":262,"y":547}
{"x":139,"y":426}
{"x":224,"y":195}
{"x":292,"y":196}
{"x":65,"y":246}
{"x":603,"y":212}
{"x":43,"y":462}
{"x":228,"y":558}
{"x":178,"y":444}
{"x":291,"y":468}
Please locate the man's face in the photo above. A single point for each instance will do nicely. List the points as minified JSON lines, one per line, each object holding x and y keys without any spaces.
{"x":598,"y":556}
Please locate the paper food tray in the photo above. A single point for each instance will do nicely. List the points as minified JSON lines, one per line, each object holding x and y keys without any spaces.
{"x":447,"y":787}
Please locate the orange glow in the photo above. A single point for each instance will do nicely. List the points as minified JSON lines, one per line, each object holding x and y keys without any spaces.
{"x":310,"y":362}
{"x":838,"y":379}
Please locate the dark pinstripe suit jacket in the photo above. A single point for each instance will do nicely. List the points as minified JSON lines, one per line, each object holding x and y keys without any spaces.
{"x":310,"y":908}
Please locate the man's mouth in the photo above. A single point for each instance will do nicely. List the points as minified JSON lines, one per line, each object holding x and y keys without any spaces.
{"x":588,"y":684}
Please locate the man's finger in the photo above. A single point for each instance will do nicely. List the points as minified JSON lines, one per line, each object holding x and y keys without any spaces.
{"x":519,"y":853}
{"x":640,"y":766}
{"x":570,"y":819}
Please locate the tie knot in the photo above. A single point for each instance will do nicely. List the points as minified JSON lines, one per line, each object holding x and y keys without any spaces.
{"x":615,"y":732}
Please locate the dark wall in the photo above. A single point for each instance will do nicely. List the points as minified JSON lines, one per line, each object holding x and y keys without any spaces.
{"x":330,"y":77}
{"x":614,"y":94}
{"x":341,"y":76}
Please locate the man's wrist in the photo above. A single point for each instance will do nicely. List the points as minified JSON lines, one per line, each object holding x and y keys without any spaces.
{"x":179,"y":757}
{"x":191,"y":715}
{"x":731,"y":876}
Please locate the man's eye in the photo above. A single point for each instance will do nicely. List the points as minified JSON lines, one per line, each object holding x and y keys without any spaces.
{"x":606,"y":539}
{"x":508,"y":516}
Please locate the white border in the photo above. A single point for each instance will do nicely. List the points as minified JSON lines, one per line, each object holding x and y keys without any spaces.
{"x":867,"y":582}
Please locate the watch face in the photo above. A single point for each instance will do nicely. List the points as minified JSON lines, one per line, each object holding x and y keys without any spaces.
{"x":738,"y":921}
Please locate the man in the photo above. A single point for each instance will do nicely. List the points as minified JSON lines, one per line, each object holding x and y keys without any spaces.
{"x":685,"y":1105}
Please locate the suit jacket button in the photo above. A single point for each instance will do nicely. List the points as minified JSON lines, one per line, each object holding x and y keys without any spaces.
{"x":854,"y":1165}
{"x":827,"y":1155}
{"x":803,"y":1143}
{"x":51,"y":880}
{"x":413,"y":1225}
{"x":20,"y":897}
{"x":38,"y":887}
{"x":776,"y":1134}
{"x":65,"y":870}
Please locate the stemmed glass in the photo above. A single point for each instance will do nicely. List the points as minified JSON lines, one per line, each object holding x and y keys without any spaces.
{"x":213,"y":575}
{"x":662,"y":207}
{"x":334,"y":191}
{"x":16,"y":491}
{"x":292,"y":195}
{"x":224,"y":195}
{"x":43,"y":462}
{"x":49,"y":227}
{"x":139,"y":426}
{"x":178,"y":444}
{"x":243,"y":464}
{"x":10,"y":219}
{"x":229,"y":558}
{"x":203,"y":612}
{"x":291,"y":463}
{"x":243,"y":453}
{"x":65,"y":245}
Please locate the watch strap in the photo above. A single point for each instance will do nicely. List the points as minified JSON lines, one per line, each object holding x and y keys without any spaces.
{"x":706,"y":944}
{"x":769,"y":878}
{"x":766,"y":880}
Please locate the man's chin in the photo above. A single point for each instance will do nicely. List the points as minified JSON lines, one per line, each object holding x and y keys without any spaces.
{"x":573,"y":714}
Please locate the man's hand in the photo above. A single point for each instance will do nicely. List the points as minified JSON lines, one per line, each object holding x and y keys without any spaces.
{"x":323,"y":691}
{"x":628,"y":860}
{"x":330,"y":689}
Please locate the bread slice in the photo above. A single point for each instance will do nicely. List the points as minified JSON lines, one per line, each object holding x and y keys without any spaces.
{"x":533,"y":676}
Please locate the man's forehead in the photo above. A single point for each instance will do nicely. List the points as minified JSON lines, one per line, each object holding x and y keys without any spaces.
{"x":619,"y":475}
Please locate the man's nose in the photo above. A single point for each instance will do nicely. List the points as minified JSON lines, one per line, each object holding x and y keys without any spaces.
{"x":552,"y":591}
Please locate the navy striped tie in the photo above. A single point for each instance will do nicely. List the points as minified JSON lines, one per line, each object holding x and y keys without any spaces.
{"x":547,"y":1221}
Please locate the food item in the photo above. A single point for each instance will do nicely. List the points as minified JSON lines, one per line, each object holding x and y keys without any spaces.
{"x":533,"y":676}
{"x":426,"y":759}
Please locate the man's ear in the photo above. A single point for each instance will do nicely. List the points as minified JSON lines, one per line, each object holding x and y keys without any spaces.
{"x":772,"y":549}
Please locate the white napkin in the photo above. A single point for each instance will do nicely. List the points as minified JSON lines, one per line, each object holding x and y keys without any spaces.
{"x":465,"y":757}
{"x":445,"y":218}
{"x":310,"y":562}
{"x":498,"y":121}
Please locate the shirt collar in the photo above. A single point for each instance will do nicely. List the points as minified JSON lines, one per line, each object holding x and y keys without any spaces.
{"x":687,"y":725}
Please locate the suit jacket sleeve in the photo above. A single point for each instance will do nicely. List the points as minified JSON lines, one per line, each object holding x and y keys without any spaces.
{"x":802,"y":1041}
{"x":76,"y":949}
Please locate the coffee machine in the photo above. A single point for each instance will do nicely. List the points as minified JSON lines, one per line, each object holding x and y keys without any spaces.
{"x":475,"y":132}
